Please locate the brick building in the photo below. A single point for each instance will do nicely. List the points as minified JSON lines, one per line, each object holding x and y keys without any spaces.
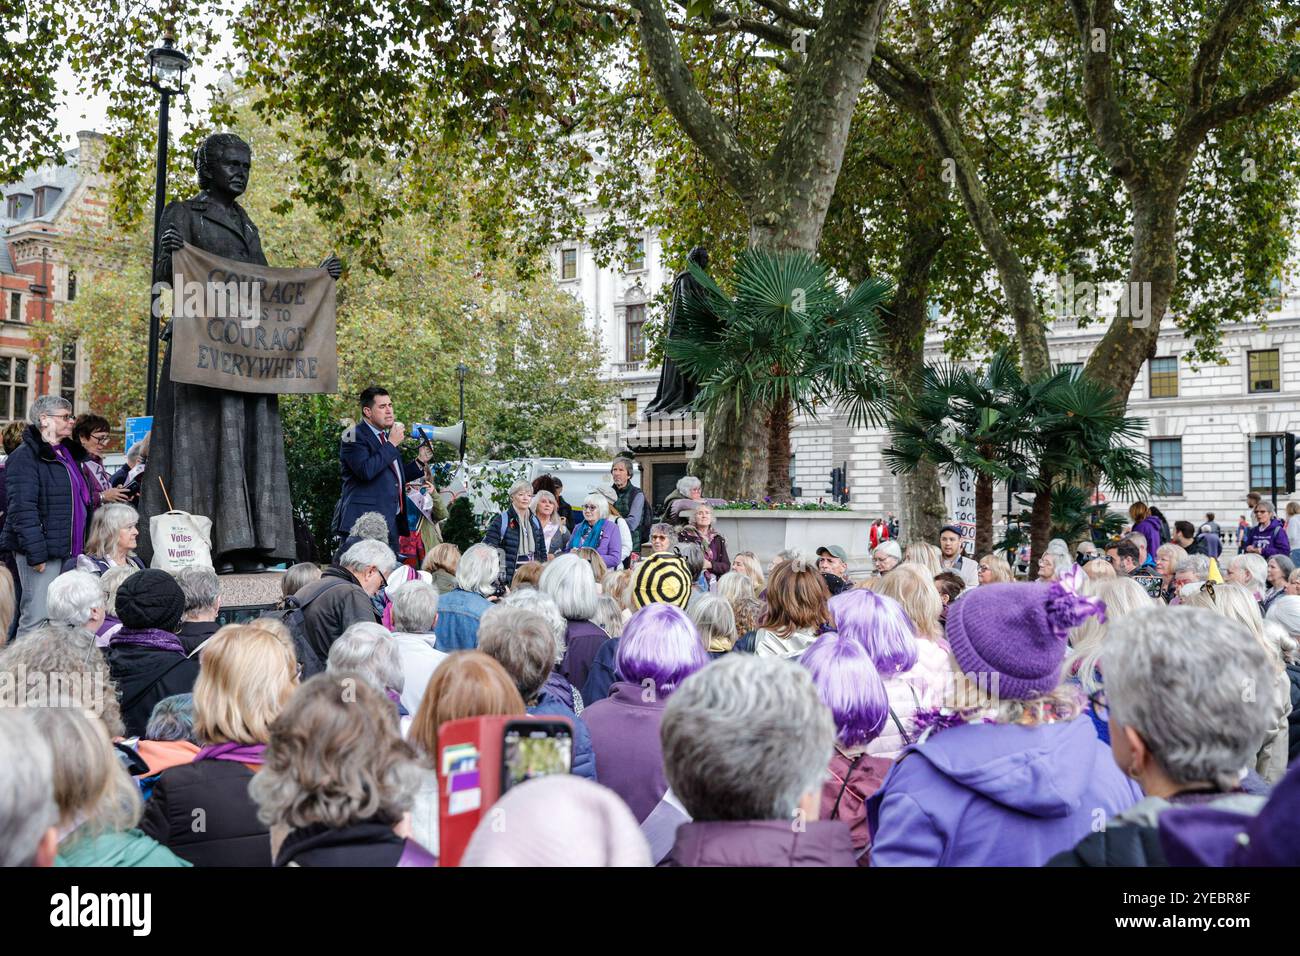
{"x":43,"y":220}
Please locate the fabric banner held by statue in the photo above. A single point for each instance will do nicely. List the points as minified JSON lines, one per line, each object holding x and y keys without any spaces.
{"x":250,"y":328}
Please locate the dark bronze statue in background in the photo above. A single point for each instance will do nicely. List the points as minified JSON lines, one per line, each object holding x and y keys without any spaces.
{"x":220,"y":453}
{"x":676,"y":391}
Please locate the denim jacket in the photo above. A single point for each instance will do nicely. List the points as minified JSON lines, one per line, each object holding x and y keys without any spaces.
{"x":458,"y":616}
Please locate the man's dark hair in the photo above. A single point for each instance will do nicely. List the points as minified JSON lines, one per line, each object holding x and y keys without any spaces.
{"x":1185,"y":528}
{"x":87,"y":425}
{"x":370,"y":394}
{"x":1209,"y":516}
{"x":1125,"y":549}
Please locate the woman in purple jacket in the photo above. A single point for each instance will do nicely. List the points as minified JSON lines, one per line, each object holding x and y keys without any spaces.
{"x":658,"y":650}
{"x":1147,"y":525}
{"x":1268,"y":537}
{"x":598,"y":530}
{"x":1016,"y":774}
{"x":746,"y":742}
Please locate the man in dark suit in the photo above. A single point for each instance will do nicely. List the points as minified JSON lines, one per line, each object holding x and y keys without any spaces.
{"x":374,"y":475}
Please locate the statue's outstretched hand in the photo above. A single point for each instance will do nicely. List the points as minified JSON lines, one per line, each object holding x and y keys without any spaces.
{"x":333,"y":266}
{"x":170,"y":241}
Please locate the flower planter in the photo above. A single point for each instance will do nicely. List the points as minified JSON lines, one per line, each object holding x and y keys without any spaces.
{"x":768,"y":532}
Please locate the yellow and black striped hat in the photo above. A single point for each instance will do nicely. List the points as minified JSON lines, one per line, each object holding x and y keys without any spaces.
{"x":662,"y":579}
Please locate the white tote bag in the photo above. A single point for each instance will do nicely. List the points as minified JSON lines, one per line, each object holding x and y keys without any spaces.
{"x":181,"y":540}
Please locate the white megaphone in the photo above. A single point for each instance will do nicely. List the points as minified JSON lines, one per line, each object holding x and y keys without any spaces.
{"x":453,"y":435}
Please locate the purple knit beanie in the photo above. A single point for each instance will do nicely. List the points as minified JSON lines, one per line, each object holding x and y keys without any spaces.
{"x":1019,"y":632}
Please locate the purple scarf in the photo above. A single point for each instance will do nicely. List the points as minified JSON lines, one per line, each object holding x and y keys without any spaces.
{"x":239,"y":753}
{"x":149,"y":637}
{"x":80,"y":493}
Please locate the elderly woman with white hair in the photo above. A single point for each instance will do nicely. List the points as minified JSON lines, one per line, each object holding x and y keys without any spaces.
{"x":1251,"y":572}
{"x":1236,"y":603}
{"x":369,"y":650}
{"x":887,"y":556}
{"x":555,"y":530}
{"x":746,"y":743}
{"x":571,"y":585}
{"x":1276,"y":577}
{"x":415,"y":615}
{"x":75,"y":599}
{"x":1282,"y":628}
{"x":598,"y":531}
{"x":29,"y":817}
{"x":49,"y":504}
{"x":110,"y":542}
{"x":459,"y":610}
{"x":688,"y":497}
{"x":1187,"y":746}
{"x":517,"y":531}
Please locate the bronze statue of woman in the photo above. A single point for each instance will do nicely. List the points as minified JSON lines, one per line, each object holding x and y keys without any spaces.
{"x":676,"y":391}
{"x":220,"y":453}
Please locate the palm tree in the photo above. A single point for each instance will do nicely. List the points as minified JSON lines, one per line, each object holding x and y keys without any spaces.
{"x":967,"y":419}
{"x":1058,"y":431}
{"x":1084,"y":437}
{"x":788,"y":339}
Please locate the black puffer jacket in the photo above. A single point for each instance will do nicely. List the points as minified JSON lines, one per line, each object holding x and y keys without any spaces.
{"x":226,"y":832}
{"x":38,"y":519}
{"x":509,"y":540}
{"x":144,"y":676}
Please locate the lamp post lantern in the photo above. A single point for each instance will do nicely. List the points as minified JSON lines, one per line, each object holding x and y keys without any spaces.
{"x":167,"y":66}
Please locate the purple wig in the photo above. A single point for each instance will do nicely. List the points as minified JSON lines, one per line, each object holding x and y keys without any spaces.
{"x":849,"y":684}
{"x":880,"y":625}
{"x":660,"y":645}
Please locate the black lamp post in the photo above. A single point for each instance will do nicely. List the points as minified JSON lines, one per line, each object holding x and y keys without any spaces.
{"x":461,"y":369}
{"x":167,"y":66}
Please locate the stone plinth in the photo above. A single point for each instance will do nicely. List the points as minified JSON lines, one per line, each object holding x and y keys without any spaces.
{"x":768,"y":532}
{"x":245,"y":596}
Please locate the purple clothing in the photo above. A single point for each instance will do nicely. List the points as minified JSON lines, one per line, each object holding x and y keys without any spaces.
{"x":81,"y":493}
{"x":1273,"y":538}
{"x":582,"y":640}
{"x":609,"y":546}
{"x":149,"y":637}
{"x":1149,"y":528}
{"x":625,"y":737}
{"x":995,"y":795}
{"x":761,"y":843}
{"x":238,"y":753}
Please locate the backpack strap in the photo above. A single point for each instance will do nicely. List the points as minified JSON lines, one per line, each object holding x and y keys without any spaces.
{"x":505,"y":523}
{"x":327,"y":587}
{"x":907,"y":738}
{"x":835,"y":810}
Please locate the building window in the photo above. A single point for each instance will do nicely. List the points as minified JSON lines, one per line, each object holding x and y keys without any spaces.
{"x":13,"y":381}
{"x":40,"y":203}
{"x":1264,"y":370}
{"x":68,"y":373}
{"x":1164,"y":377}
{"x":1167,"y":460}
{"x":12,"y":209}
{"x":1261,"y":463}
{"x":72,"y":286}
{"x":636,"y":255}
{"x":15,"y":306}
{"x":1074,"y":368}
{"x":636,"y":333}
{"x":568,"y":264}
{"x":629,"y":412}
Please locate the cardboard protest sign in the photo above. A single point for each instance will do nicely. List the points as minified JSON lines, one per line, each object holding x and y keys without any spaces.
{"x":250,"y":328}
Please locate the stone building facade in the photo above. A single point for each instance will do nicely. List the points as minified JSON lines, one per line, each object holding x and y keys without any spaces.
{"x":1208,"y":429}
